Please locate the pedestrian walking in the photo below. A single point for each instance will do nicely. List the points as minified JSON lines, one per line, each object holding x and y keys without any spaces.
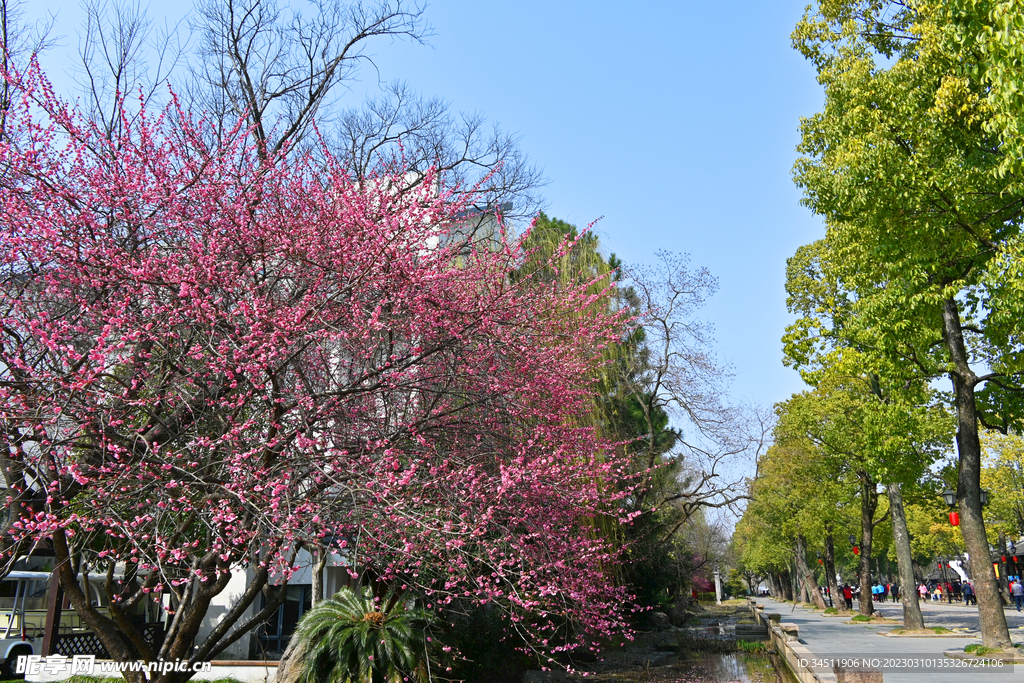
{"x":848,"y":596}
{"x":1017,"y":591}
{"x":895,"y":592}
{"x":968,"y":592}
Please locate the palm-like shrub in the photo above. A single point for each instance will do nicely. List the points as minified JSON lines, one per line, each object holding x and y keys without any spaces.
{"x":351,"y":638}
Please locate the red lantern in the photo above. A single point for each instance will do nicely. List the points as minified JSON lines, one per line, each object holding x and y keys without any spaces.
{"x":856,"y":550}
{"x":954,"y":518}
{"x":1004,"y":558}
{"x":820,"y":562}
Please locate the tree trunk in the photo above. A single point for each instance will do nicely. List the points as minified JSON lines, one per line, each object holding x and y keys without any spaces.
{"x":994,"y":632}
{"x":810,"y":584}
{"x":830,"y":568}
{"x":104,"y":628}
{"x":1004,"y":570}
{"x":290,"y":667}
{"x":783,"y":590}
{"x":868,"y":505}
{"x":319,"y":562}
{"x":912,"y":618}
{"x":799,"y":591}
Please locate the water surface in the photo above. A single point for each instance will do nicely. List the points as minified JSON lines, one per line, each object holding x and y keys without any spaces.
{"x":735,"y":667}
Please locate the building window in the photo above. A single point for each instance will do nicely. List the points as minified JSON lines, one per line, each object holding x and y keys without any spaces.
{"x":273,"y":635}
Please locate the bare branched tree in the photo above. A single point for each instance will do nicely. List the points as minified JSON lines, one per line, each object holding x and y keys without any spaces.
{"x":281,"y":69}
{"x":402,"y":127}
{"x":677,"y":373}
{"x":21,"y":43}
{"x":286,"y":72}
{"x":123,"y":60}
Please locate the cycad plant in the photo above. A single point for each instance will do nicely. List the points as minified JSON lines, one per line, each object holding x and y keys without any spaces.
{"x":353,"y":638}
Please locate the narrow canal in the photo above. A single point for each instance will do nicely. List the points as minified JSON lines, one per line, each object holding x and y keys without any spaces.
{"x":703,"y":650}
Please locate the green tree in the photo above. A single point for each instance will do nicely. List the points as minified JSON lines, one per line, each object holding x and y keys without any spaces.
{"x":1003,"y":477}
{"x":906,"y":166}
{"x":991,"y":32}
{"x":827,"y":418}
{"x":870,"y":434}
{"x":764,"y":548}
{"x":800,"y":487}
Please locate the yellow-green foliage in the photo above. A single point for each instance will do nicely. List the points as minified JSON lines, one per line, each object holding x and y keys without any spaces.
{"x":1002,"y":475}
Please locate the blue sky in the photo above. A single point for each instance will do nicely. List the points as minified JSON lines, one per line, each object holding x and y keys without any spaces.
{"x":675,"y":121}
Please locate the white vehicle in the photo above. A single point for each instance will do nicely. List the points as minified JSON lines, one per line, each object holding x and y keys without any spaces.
{"x":22,"y":617}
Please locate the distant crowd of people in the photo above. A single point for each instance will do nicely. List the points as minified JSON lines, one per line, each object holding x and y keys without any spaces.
{"x":950,"y":591}
{"x":880,"y":592}
{"x":935,"y":591}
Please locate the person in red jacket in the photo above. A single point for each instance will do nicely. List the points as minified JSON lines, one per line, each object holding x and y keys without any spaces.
{"x":848,"y":596}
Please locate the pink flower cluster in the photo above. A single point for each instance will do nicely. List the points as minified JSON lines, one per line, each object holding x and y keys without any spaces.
{"x":209,"y":359}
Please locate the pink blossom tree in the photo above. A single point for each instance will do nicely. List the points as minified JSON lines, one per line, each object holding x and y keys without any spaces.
{"x":210,"y":359}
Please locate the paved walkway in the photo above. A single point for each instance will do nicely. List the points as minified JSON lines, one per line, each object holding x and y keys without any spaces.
{"x":829,"y":638}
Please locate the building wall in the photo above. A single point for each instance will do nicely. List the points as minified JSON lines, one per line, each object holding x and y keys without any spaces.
{"x":249,"y":646}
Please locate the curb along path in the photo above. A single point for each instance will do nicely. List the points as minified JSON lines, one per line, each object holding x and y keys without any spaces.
{"x":828,"y":638}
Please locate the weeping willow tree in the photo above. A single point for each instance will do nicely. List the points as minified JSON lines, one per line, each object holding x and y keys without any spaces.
{"x":660,"y":365}
{"x":559,"y":253}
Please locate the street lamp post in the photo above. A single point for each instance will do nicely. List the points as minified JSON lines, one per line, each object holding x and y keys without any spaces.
{"x":828,"y":585}
{"x":945,"y":580}
{"x":856,"y":551}
{"x":949,"y":495}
